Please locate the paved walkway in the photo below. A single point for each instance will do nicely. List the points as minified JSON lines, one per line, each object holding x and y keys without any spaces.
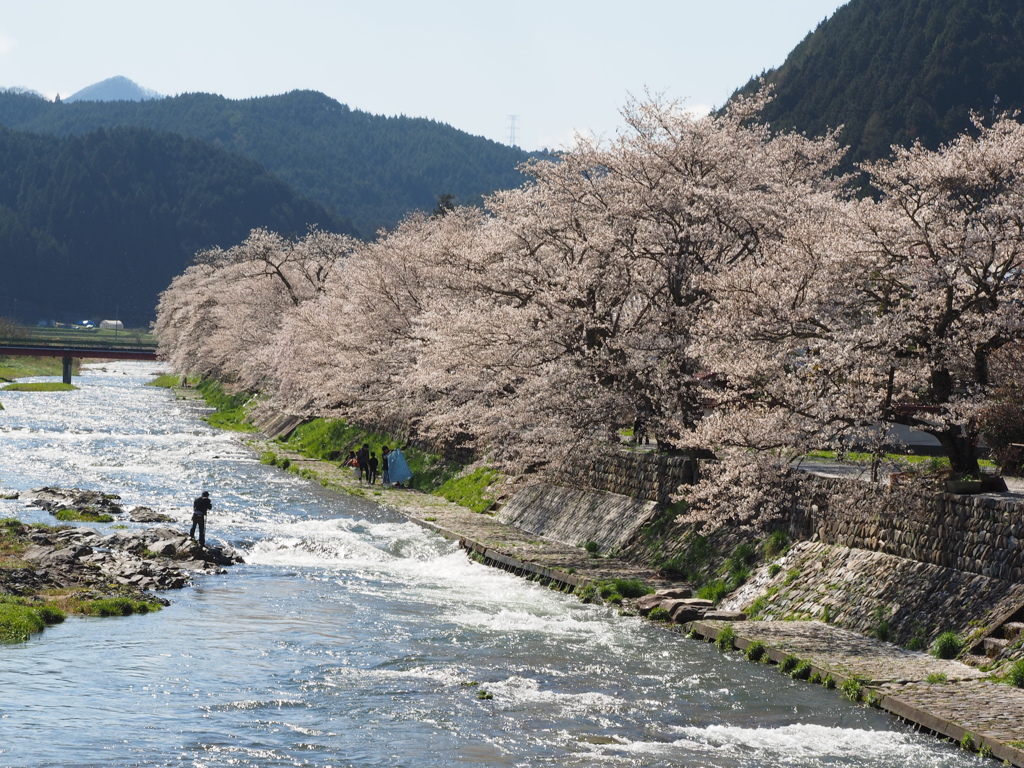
{"x":504,"y":545}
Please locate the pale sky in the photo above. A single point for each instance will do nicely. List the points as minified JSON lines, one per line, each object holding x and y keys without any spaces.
{"x":559,"y":66}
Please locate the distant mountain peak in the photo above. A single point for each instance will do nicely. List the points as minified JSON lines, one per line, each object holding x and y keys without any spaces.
{"x":114,"y":89}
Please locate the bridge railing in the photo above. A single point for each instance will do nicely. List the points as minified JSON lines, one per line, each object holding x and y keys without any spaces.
{"x":83,"y":339}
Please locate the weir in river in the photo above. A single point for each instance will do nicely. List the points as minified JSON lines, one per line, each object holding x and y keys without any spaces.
{"x":354,"y":638}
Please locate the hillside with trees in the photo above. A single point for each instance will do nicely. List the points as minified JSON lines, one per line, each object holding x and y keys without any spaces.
{"x":97,"y":225}
{"x":892,"y":71}
{"x":366,"y":168}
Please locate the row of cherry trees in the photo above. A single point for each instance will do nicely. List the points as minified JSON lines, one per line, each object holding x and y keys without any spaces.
{"x":704,"y":273}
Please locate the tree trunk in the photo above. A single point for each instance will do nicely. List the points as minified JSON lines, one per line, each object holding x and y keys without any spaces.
{"x":959,"y":445}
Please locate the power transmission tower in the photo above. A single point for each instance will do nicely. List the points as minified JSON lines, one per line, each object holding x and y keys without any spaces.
{"x":512,"y":129}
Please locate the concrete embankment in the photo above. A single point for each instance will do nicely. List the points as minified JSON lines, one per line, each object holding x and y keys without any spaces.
{"x":945,"y":697}
{"x":539,"y":532}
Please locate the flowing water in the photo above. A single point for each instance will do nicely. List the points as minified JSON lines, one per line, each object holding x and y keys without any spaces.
{"x":353,"y":638}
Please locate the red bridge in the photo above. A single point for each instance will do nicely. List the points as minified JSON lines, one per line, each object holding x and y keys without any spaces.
{"x":68,"y":352}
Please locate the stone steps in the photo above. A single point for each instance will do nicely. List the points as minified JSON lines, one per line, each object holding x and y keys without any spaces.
{"x":993,"y":646}
{"x":1013,"y":629}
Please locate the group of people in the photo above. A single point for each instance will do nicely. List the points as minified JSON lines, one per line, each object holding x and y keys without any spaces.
{"x":392,"y":465}
{"x":394,"y":472}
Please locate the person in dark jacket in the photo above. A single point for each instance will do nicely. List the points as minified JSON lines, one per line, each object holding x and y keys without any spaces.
{"x":363,"y":457}
{"x":200,"y":508}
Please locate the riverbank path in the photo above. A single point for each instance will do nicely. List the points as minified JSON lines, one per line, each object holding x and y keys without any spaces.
{"x":945,"y":697}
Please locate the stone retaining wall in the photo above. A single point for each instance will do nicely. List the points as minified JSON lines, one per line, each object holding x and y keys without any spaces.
{"x":605,"y":498}
{"x":640,"y":475}
{"x":983,"y":535}
{"x":575,"y":515}
{"x":875,"y":593}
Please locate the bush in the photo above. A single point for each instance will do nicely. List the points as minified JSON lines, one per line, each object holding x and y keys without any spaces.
{"x":788,"y":664}
{"x":631,"y":587}
{"x":714,"y":590}
{"x":948,"y":645}
{"x":756,"y":651}
{"x":592,"y":547}
{"x":1015,"y":676}
{"x":659,"y":614}
{"x":776,"y":544}
{"x":725,"y":638}
{"x":801,"y":671}
{"x":853,"y":688}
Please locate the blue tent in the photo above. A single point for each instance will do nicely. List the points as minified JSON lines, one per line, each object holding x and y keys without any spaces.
{"x":398,"y":468}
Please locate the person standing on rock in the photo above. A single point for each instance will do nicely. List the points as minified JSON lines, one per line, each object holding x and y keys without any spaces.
{"x":200,"y":508}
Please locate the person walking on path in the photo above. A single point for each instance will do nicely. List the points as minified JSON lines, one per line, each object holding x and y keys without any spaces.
{"x":200,"y":508}
{"x":385,"y":476}
{"x":373,"y":468}
{"x":398,"y":469}
{"x":363,"y":457}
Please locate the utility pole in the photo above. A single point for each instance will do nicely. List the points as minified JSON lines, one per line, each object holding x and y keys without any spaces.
{"x":512,"y":129}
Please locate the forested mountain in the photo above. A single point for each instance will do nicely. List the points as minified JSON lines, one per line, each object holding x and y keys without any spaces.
{"x":97,"y":225}
{"x":114,"y":89}
{"x":892,"y":71}
{"x":367,"y":168}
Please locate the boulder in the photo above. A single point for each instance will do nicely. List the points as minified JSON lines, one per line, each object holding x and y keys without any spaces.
{"x":674,"y":593}
{"x":725,"y":616}
{"x":647,"y":603}
{"x":698,"y":602}
{"x":147,"y":515}
{"x":681,"y":613}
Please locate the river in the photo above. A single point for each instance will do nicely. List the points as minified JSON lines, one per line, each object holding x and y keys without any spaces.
{"x":353,"y":638}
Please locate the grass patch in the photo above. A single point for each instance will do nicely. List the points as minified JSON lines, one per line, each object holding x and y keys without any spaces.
{"x":801,"y":671}
{"x":229,"y":409}
{"x":853,"y":688}
{"x":19,"y":621}
{"x":659,"y":614}
{"x":936,"y":678}
{"x":117,"y":606}
{"x":165,"y":381}
{"x":776,"y":544}
{"x":470,"y":490}
{"x":17,"y":367}
{"x":332,"y":439}
{"x":1015,"y":676}
{"x":757,"y":651}
{"x":40,"y":386}
{"x":788,"y":664}
{"x":948,"y":645}
{"x":82,"y":516}
{"x":714,"y":590}
{"x":725,"y":638}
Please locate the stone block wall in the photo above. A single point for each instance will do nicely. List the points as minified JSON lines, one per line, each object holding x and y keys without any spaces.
{"x":983,"y":535}
{"x":576,"y":516}
{"x":864,"y":590}
{"x":606,"y":498}
{"x":649,"y":476}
